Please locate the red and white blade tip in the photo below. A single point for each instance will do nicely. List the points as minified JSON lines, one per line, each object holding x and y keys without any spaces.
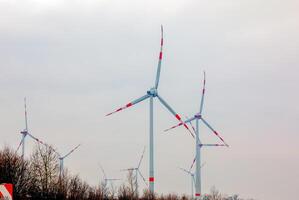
{"x":120,"y":109}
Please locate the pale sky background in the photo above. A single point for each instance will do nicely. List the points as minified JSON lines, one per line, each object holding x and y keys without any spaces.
{"x":75,"y":61}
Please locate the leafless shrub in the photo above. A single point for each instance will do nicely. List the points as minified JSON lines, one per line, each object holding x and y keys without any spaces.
{"x":13,"y":169}
{"x":44,"y":172}
{"x":147,"y":195}
{"x":77,"y":189}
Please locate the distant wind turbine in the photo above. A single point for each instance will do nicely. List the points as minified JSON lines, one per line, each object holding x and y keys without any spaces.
{"x":106,"y":179}
{"x":25,"y":132}
{"x":189,"y":172}
{"x":198,"y":144}
{"x":61,"y":159}
{"x":137,"y":171}
{"x":151,"y":94}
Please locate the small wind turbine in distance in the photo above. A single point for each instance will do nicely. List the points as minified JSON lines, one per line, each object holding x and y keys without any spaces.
{"x":61,"y":159}
{"x":137,"y":171}
{"x":203,"y":145}
{"x":106,"y":179}
{"x":189,"y":172}
{"x":151,"y":94}
{"x":25,"y":132}
{"x":198,"y":145}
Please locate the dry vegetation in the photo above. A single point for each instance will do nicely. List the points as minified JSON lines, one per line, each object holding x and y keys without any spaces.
{"x":38,"y":179}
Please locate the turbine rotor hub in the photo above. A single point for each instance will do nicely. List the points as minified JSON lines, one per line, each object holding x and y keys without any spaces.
{"x":198,"y":116}
{"x":24,"y":132}
{"x":153,"y":92}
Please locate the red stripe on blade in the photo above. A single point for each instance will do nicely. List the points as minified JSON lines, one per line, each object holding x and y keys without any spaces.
{"x":128,"y":105}
{"x":160,"y":56}
{"x":186,"y":126}
{"x":178,"y":117}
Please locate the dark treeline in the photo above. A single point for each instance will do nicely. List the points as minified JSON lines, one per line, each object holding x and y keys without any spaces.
{"x":37,"y":178}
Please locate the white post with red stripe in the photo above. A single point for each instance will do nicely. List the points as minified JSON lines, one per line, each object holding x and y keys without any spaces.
{"x":151,"y":150}
{"x":198,"y":165}
{"x":6,"y":191}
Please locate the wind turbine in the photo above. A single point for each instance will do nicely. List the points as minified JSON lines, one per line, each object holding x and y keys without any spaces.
{"x":137,"y":171}
{"x":197,"y":117}
{"x":61,"y":159}
{"x":189,"y":172}
{"x":106,"y":180}
{"x":151,"y":94}
{"x":25,"y":132}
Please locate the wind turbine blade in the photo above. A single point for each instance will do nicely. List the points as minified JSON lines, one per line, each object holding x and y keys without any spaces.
{"x":160,"y":60}
{"x":190,"y":122}
{"x":130,"y":104}
{"x":128,"y":169}
{"x":177,"y":116}
{"x":215,"y":132}
{"x":188,"y":172}
{"x":141,"y":158}
{"x":142,"y":177}
{"x":36,"y":139}
{"x":103,"y":171}
{"x":22,"y":140}
{"x":180,"y":124}
{"x":43,"y":143}
{"x":71,"y":151}
{"x":214,"y":145}
{"x":192,"y":163}
{"x":203,"y":92}
{"x":25,"y":106}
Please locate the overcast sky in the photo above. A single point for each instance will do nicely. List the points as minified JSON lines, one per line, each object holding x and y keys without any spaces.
{"x":75,"y":61}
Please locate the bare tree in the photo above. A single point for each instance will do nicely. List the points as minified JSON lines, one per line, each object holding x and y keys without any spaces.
{"x":147,"y":195}
{"x":44,"y":172}
{"x":131,"y":179}
{"x":77,"y":189}
{"x":13,"y":169}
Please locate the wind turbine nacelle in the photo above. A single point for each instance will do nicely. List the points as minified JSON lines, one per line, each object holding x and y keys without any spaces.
{"x":153,"y":92}
{"x":198,"y":116}
{"x":24,"y":132}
